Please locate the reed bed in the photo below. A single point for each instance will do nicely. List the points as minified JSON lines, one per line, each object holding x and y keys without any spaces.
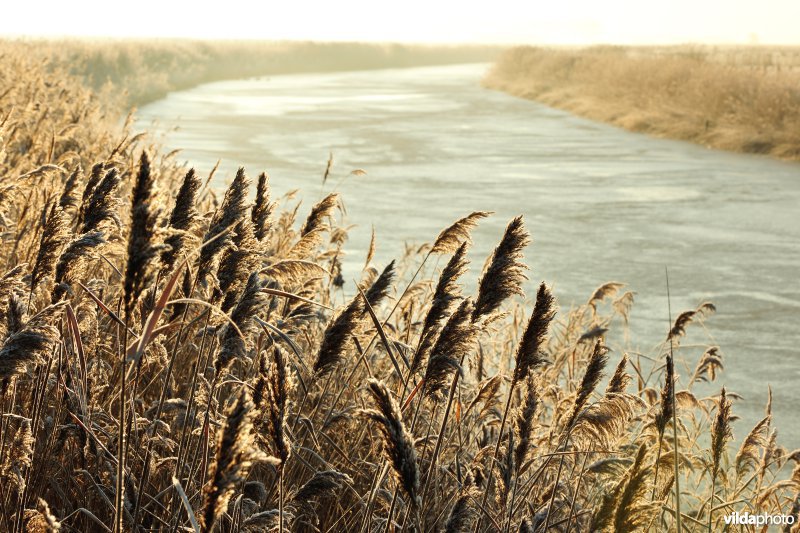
{"x":175,"y":358}
{"x":743,"y":99}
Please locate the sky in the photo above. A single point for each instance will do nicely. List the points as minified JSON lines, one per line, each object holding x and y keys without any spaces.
{"x":435,"y":21}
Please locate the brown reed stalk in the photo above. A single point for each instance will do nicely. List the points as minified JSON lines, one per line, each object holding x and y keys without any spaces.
{"x":398,"y":444}
{"x":233,"y":459}
{"x":665,"y":412}
{"x":528,"y":357}
{"x":218,"y":237}
{"x":455,"y":342}
{"x":463,"y":512}
{"x":182,"y":221}
{"x":262,"y":208}
{"x":452,"y":237}
{"x":591,"y":378}
{"x":720,"y":435}
{"x":72,"y":262}
{"x":69,"y":193}
{"x":142,"y":248}
{"x":54,"y":235}
{"x":505,"y":274}
{"x":102,"y":207}
{"x":445,"y":296}
{"x":320,"y":213}
{"x":237,"y":262}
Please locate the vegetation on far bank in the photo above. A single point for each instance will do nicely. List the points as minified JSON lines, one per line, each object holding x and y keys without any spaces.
{"x":743,"y":99}
{"x":178,"y":358}
{"x":140,"y":71}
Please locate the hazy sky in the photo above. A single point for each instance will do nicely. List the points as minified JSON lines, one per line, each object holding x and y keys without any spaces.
{"x":504,"y":21}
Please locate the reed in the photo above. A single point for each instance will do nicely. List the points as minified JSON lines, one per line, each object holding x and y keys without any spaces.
{"x":170,"y":362}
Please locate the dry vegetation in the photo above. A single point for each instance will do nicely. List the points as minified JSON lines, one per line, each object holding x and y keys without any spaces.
{"x":172,"y":360}
{"x":739,"y":99}
{"x":137,"y":72}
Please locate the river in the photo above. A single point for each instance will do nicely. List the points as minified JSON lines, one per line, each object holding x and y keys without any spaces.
{"x":601,"y":203}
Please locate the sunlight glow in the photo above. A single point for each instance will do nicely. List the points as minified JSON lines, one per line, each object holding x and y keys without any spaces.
{"x":500,"y":21}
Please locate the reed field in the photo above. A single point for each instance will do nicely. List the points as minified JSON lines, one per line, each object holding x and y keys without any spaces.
{"x":742,"y":99}
{"x":177,"y":358}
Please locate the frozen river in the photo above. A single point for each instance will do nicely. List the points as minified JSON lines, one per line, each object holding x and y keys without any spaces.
{"x":602,"y":204}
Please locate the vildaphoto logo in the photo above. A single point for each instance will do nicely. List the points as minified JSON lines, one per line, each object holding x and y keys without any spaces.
{"x":746,"y":519}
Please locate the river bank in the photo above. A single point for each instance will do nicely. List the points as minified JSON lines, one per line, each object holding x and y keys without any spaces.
{"x":171,"y":357}
{"x":136,"y":72}
{"x":736,"y":99}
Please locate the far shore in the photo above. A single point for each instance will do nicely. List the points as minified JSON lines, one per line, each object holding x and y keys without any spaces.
{"x":741,"y":99}
{"x":135,"y":72}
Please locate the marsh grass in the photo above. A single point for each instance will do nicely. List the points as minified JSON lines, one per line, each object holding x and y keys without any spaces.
{"x":731,"y":98}
{"x":171,"y":361}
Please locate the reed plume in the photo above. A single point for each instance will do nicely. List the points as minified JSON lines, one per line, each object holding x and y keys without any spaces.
{"x":748,"y":456}
{"x":720,"y":432}
{"x":455,"y":343}
{"x":103,"y":205}
{"x":319,"y":213}
{"x":620,"y":380}
{"x":12,"y":290}
{"x":54,"y":235}
{"x":349,"y":323}
{"x":720,"y":435}
{"x":606,"y":290}
{"x":271,"y":397}
{"x":182,"y":221}
{"x":687,"y":317}
{"x":592,"y":376}
{"x":30,"y":344}
{"x":232,"y":345}
{"x":380,"y":288}
{"x":73,"y":261}
{"x":463,"y":512}
{"x":88,"y":190}
{"x":664,"y":415}
{"x":398,"y":444}
{"x":141,"y":246}
{"x":529,"y":356}
{"x":40,"y":520}
{"x":632,"y":510}
{"x":505,"y":274}
{"x":523,"y":422}
{"x":238,"y":261}
{"x":322,"y":484}
{"x":262,"y":208}
{"x":709,"y":364}
{"x":69,"y":193}
{"x":218,"y":237}
{"x":232,"y":461}
{"x":447,"y":293}
{"x":452,"y":237}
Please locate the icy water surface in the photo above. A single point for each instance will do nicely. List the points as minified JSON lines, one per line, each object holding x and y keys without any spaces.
{"x":602,"y":204}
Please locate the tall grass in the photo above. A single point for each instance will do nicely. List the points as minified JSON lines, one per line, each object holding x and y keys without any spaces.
{"x":177,"y":359}
{"x":744,"y":100}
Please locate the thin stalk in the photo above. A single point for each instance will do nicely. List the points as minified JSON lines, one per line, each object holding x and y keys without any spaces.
{"x":440,"y":436}
{"x":658,"y":460}
{"x":678,"y":523}
{"x":121,"y":437}
{"x":490,"y":475}
{"x":162,"y":398}
{"x":280,"y":500}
